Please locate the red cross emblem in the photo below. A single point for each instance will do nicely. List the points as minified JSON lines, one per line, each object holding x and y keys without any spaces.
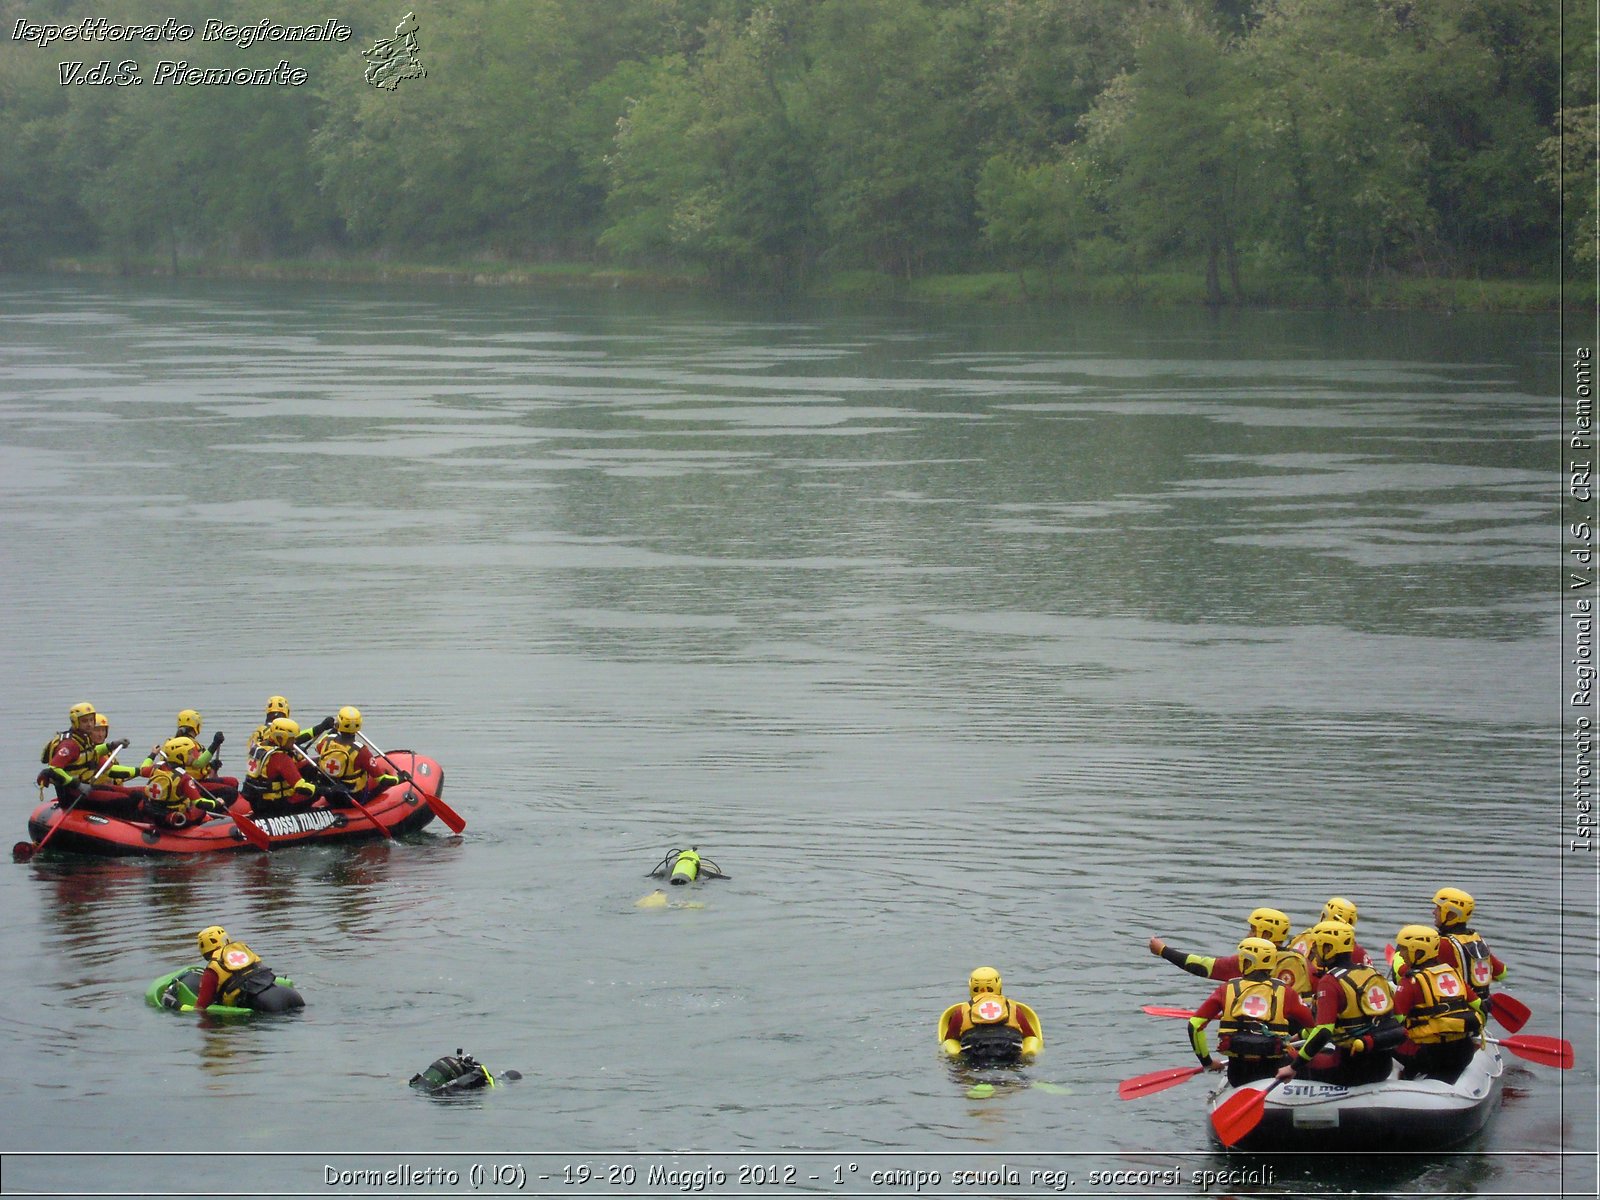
{"x":234,"y":959}
{"x":1480,"y":972}
{"x":330,"y":766}
{"x":1377,"y":999}
{"x":990,"y":1009}
{"x":1254,"y":1006}
{"x":1449,"y":985}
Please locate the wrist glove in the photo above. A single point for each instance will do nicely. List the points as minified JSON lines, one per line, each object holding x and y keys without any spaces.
{"x":323,"y":726}
{"x":216,"y":741}
{"x":43,"y":777}
{"x":404,"y":777}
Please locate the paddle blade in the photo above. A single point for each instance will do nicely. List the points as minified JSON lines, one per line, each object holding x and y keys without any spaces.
{"x":1158,"y":1010}
{"x":445,"y":813}
{"x":1512,"y":1013}
{"x":1156,"y":1081}
{"x":253,"y":833}
{"x":1546,"y":1051}
{"x":22,"y":851}
{"x":1240,"y":1113}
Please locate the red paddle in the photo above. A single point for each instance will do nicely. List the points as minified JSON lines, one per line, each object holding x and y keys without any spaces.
{"x":253,"y":833}
{"x":440,"y":809}
{"x":1546,"y":1051}
{"x":1156,"y":1081}
{"x":1158,"y":1010}
{"x":1509,"y":1011}
{"x":1240,"y":1113}
{"x":23,"y":851}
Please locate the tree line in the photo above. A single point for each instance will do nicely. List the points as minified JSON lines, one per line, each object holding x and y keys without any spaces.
{"x":766,"y":142}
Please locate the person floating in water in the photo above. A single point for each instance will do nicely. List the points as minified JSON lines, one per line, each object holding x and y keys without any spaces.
{"x":457,"y":1073}
{"x":990,"y":1027}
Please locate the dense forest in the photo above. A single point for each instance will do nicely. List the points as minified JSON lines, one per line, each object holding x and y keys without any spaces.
{"x":765,"y":143}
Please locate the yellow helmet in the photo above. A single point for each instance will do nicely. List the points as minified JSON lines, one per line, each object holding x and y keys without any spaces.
{"x":180,"y":750}
{"x":212,"y":938}
{"x":1339,"y":909}
{"x":1452,"y":906}
{"x":1417,"y":944}
{"x":189,"y":719}
{"x":1257,"y":954}
{"x":1329,"y":939}
{"x":101,"y":722}
{"x":282,"y":731}
{"x":985,"y":981}
{"x":277,"y":706}
{"x":1269,"y":923}
{"x":81,"y":715}
{"x":348,"y":719}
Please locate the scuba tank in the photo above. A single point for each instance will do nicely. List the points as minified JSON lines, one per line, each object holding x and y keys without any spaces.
{"x":686,"y":866}
{"x":457,"y":1073}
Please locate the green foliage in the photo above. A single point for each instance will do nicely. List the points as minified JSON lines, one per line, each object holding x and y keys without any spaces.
{"x":1570,"y":169}
{"x":1352,"y":142}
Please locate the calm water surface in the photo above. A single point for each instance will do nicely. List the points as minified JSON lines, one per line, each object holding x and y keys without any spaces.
{"x":955,"y":638}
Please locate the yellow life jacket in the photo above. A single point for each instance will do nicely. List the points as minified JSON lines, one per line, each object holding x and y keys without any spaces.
{"x":1472,"y":955}
{"x":86,"y":759}
{"x":164,"y":789}
{"x":1442,"y":1012}
{"x":1365,"y":998}
{"x":1291,"y":967}
{"x":337,"y":758}
{"x":1253,"y":1023}
{"x":257,"y":740}
{"x":233,"y":965}
{"x":261,"y":786}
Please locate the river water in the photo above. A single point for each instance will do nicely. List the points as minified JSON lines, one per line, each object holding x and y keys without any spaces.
{"x":954,"y":637}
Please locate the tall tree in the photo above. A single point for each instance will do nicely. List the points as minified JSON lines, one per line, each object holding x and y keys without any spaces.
{"x":1172,"y":135}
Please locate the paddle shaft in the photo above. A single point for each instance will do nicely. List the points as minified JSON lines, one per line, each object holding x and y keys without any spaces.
{"x":1156,"y":1081}
{"x":443,"y":811}
{"x":23,"y":851}
{"x":365,"y":811}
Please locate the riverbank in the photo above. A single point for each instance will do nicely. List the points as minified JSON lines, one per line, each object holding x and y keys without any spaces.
{"x":1031,"y":287}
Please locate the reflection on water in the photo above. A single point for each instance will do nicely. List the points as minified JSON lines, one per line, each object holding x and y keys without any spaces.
{"x":953,"y":637}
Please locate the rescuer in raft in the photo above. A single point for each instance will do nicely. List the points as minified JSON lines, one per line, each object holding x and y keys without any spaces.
{"x":345,"y":758}
{"x":273,"y":782}
{"x":1288,"y":965}
{"x":236,"y":977}
{"x":1337,"y":908}
{"x":1354,"y":1014}
{"x":172,"y":796}
{"x":990,"y":1028}
{"x":1441,"y":1012}
{"x":278,"y":706}
{"x":203,"y":768}
{"x":1258,"y":1012}
{"x":74,"y":757}
{"x":1462,"y":946}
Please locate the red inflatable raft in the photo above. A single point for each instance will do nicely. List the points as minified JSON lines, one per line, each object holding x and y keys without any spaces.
{"x":403,"y":808}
